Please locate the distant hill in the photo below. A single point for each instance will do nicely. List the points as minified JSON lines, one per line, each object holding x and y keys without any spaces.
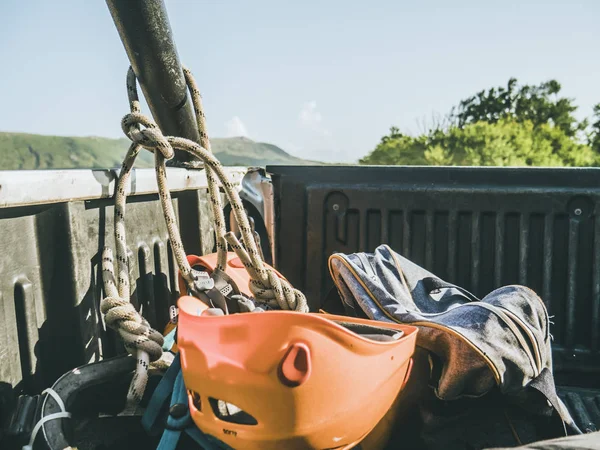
{"x":241,"y":151}
{"x":34,"y":151}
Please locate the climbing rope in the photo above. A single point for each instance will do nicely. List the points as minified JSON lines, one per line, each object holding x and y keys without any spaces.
{"x":267,"y":287}
{"x":120,"y":314}
{"x":135,"y":331}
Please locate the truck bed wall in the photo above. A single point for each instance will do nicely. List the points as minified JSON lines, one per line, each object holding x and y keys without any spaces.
{"x":50,"y":264}
{"x":477,"y":227}
{"x":480,"y":228}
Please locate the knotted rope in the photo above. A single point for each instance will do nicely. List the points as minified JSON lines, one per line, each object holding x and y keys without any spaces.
{"x":119,"y":314}
{"x":266,"y":286}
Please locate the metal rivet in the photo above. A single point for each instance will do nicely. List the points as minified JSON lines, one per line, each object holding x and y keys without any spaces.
{"x":178,"y":410}
{"x":336,"y":207}
{"x":578,"y":211}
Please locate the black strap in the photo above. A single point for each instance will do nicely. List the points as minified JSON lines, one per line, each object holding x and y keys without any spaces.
{"x":352,"y":308}
{"x":333,"y":303}
{"x":215,"y":297}
{"x":336,"y":303}
{"x":349,"y":306}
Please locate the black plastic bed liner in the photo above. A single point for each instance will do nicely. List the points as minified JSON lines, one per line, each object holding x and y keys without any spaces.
{"x":478,"y":228}
{"x":584,"y":405}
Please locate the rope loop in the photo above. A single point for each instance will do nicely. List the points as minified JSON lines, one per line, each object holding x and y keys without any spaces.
{"x":149,"y":137}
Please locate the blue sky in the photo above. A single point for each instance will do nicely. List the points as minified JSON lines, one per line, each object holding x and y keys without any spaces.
{"x":322,"y":79}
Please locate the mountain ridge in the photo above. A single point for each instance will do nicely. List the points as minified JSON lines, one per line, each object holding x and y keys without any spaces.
{"x":39,"y":151}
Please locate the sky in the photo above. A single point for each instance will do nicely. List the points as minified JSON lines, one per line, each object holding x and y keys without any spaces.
{"x":324,"y":80}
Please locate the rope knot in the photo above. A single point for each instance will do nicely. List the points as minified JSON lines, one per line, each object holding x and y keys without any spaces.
{"x":121,"y":316}
{"x":149,"y":137}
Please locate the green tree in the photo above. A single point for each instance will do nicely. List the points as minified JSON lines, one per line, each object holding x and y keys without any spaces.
{"x":506,"y":142}
{"x":539,"y":104}
{"x":594,"y":135}
{"x":504,"y":126}
{"x":398,"y":147}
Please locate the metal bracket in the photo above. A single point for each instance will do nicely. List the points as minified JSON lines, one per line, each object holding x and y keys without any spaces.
{"x":257,"y":189}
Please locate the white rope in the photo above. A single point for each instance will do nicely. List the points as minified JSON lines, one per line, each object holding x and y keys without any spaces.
{"x":59,"y":415}
{"x":137,"y":335}
{"x":267,"y":287}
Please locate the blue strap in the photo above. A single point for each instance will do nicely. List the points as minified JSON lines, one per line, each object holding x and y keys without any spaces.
{"x":179,"y":399}
{"x":183,"y":423}
{"x":169,"y":440}
{"x":173,"y":387}
{"x":160,"y":397}
{"x":169,"y":340}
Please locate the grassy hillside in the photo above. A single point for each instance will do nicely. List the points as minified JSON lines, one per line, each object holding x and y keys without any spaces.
{"x":241,"y":151}
{"x":32,"y":151}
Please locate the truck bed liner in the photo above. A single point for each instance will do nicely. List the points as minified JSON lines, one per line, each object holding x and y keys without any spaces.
{"x":480,"y":228}
{"x":584,"y":405}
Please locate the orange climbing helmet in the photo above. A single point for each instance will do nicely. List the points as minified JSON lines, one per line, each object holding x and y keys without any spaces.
{"x":280,"y":379}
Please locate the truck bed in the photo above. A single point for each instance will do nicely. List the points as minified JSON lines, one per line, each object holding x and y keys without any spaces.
{"x":480,"y":228}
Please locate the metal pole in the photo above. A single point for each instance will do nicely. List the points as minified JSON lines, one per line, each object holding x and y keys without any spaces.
{"x":144,"y":28}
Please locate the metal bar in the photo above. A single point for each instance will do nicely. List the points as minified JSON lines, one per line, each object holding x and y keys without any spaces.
{"x":144,"y":28}
{"x":31,"y":187}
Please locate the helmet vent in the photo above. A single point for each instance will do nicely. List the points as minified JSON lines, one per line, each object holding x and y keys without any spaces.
{"x":228,"y":412}
{"x":196,"y":399}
